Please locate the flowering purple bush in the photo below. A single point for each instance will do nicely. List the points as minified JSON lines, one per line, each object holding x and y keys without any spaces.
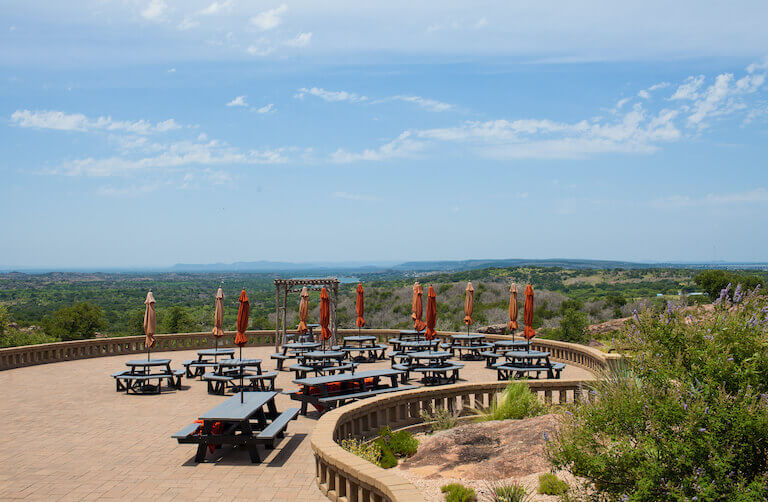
{"x":686,"y":418}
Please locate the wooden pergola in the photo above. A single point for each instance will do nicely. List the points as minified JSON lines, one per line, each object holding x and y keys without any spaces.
{"x":286,"y":286}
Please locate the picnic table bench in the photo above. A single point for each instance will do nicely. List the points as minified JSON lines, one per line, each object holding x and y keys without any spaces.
{"x":198,"y":367}
{"x":342,"y":388}
{"x":469,"y":346}
{"x":522,"y":363}
{"x":499,"y":348}
{"x":295,"y":349}
{"x":437,"y":370}
{"x":253,"y":422}
{"x":229,"y":374}
{"x":138,"y":379}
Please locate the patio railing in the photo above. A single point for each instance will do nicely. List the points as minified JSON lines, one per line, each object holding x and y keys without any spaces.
{"x":29,"y":355}
{"x":342,"y":476}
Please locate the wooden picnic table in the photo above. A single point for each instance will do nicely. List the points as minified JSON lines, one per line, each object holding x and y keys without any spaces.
{"x":249,"y":423}
{"x":368,"y":351}
{"x":143,"y":371}
{"x":468,"y":345}
{"x":232,"y":374}
{"x":206,"y":358}
{"x":499,"y":348}
{"x":519,"y":363}
{"x":411,"y":334}
{"x":327,"y":391}
{"x":433,"y":365}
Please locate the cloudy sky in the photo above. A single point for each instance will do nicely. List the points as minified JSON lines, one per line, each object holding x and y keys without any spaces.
{"x":153,"y":132}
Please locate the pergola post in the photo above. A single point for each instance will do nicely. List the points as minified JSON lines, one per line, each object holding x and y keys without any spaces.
{"x":277,"y":317}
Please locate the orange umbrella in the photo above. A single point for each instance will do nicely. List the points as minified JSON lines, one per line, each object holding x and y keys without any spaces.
{"x":469,"y":305}
{"x":303,"y":311}
{"x":431,"y":314}
{"x":242,"y":325}
{"x":242,"y":320}
{"x":325,"y":315}
{"x":417,"y":308}
{"x":512,"y":326}
{"x":528,"y":332}
{"x":150,"y":322}
{"x":218,"y":317}
{"x":360,"y":307}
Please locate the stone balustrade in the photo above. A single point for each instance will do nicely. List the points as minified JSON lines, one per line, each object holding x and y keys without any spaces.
{"x":29,"y":355}
{"x":342,"y":476}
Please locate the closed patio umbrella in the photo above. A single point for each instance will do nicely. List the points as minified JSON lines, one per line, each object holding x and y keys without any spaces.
{"x":431,"y":314}
{"x":325,"y":316}
{"x":469,"y":305}
{"x":528,"y":331}
{"x":303,"y":311}
{"x":218,"y":317}
{"x":150,"y":322}
{"x":360,"y":307}
{"x":242,"y":325}
{"x":417,"y":308}
{"x":512,"y":326}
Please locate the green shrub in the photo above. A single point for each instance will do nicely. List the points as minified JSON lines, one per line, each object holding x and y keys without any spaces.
{"x":78,"y":322}
{"x":687,"y":418}
{"x":515,"y":402}
{"x":507,"y":493}
{"x":388,"y":459}
{"x":369,"y":451}
{"x":549,"y":484}
{"x":402,"y":443}
{"x":456,"y":492}
{"x":440,"y":419}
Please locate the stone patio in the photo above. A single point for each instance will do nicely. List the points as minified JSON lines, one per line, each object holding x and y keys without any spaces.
{"x":70,"y":436}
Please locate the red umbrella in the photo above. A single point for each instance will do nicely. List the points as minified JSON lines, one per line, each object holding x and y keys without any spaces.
{"x":325,"y":315}
{"x":360,"y":307}
{"x":242,"y":325}
{"x":431,"y":314}
{"x":417,"y":307}
{"x":528,"y":332}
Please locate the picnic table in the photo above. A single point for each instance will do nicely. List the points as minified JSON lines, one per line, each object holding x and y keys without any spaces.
{"x":142,"y":372}
{"x":232,"y":374}
{"x":308,"y":337}
{"x":250,"y":423}
{"x":321,"y":362}
{"x":411,"y":334}
{"x":468,"y":345}
{"x":521,"y":363}
{"x":334,"y":390}
{"x":499,"y":348}
{"x":433,"y":366}
{"x":291,"y":350}
{"x":206,"y":358}
{"x":365,"y":346}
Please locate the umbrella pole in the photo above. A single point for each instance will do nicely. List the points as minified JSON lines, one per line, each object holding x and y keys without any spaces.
{"x":241,"y":375}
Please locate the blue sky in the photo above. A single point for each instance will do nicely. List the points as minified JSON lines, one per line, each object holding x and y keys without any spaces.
{"x":153,"y":132}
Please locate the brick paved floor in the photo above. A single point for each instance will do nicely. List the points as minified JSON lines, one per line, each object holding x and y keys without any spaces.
{"x":69,"y":436}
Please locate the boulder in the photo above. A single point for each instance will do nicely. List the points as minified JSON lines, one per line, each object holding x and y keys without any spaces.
{"x":493,"y":329}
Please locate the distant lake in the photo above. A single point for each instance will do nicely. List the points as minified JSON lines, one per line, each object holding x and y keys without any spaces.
{"x":343,"y":280}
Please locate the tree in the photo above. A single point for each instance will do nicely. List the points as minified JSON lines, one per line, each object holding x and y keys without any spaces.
{"x":178,"y":320}
{"x":573,"y":326}
{"x":5,"y":318}
{"x":78,"y":322}
{"x":714,"y":281}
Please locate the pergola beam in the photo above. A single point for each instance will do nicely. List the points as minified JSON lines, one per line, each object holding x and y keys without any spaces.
{"x":293,"y":286}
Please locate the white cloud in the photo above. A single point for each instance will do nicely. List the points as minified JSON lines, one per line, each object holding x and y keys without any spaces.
{"x":170,"y":155}
{"x":756,"y":195}
{"x":690,"y":89}
{"x":332,"y":96}
{"x":353,"y":196}
{"x":458,"y":25}
{"x":269,"y":19}
{"x":238,"y":101}
{"x":300,"y":40}
{"x":154,"y":10}
{"x":187,"y":24}
{"x":426,"y":103}
{"x":57,"y":120}
{"x":724,"y":97}
{"x":216,"y":8}
{"x":266,"y":108}
{"x":172,"y":70}
{"x":644,"y":94}
{"x":402,"y":146}
{"x":263,"y":48}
